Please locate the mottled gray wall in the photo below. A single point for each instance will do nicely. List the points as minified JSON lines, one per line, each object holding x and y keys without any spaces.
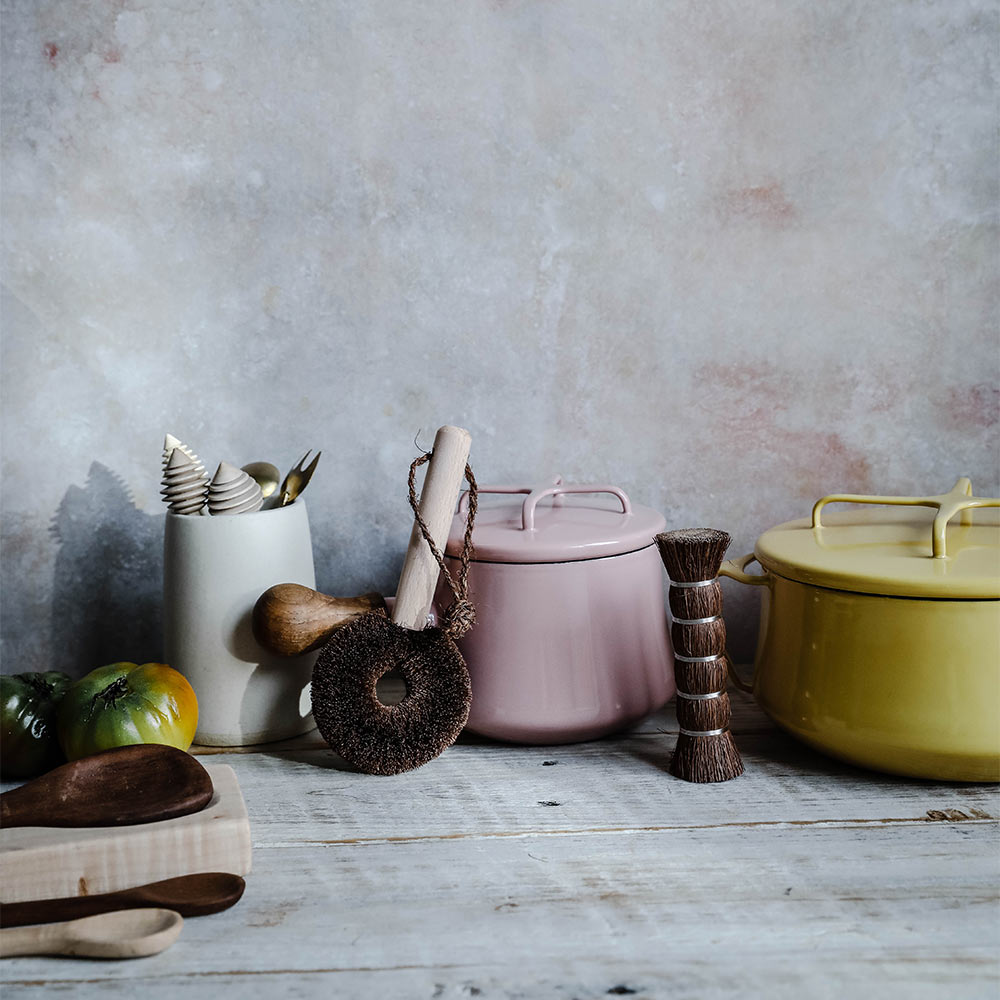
{"x":731,"y":254}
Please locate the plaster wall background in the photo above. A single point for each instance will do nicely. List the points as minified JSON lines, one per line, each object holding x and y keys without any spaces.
{"x":729,"y":255}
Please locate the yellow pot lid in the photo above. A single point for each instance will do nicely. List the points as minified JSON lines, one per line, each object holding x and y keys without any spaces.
{"x":945,"y":546}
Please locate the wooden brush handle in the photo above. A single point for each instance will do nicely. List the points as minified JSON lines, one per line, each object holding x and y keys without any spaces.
{"x":704,"y":639}
{"x":290,"y":619}
{"x":418,"y":579}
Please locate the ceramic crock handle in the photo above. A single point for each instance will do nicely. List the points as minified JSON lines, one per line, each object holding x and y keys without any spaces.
{"x":735,"y":569}
{"x":531,"y":501}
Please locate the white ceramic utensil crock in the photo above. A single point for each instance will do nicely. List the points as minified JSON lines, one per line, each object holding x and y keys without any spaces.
{"x":214,"y":569}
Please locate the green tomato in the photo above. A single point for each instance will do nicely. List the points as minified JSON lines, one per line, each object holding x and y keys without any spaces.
{"x":123,"y":704}
{"x":28,"y":703}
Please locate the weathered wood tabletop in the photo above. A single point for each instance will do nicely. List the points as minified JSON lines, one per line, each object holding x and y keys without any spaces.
{"x":586,"y":871}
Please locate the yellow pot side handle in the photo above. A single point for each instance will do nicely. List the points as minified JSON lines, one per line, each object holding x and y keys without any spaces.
{"x":959,"y":499}
{"x":735,"y":678}
{"x":735,"y":569}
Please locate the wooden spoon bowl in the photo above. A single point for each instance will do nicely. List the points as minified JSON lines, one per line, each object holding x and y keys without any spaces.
{"x":122,"y":934}
{"x":119,"y":787}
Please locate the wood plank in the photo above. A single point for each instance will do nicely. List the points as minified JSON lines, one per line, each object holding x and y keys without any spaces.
{"x":747,"y":718}
{"x":795,"y":911}
{"x":501,"y":791}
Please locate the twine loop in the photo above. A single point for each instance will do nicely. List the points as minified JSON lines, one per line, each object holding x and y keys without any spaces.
{"x":460,"y":615}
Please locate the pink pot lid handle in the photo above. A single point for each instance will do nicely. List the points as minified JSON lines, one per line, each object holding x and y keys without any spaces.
{"x":463,"y":500}
{"x":531,"y":501}
{"x":558,"y":531}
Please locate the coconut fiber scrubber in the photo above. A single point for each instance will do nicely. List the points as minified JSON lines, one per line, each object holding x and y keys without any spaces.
{"x":389,"y":739}
{"x":705,"y":749}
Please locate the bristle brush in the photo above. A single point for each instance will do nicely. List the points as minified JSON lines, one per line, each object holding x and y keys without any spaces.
{"x":705,"y":751}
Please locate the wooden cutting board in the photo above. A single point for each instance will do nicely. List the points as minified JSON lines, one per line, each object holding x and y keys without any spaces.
{"x":45,"y":862}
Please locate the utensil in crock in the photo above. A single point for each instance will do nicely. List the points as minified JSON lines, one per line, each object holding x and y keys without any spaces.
{"x":265,"y":475}
{"x":297,"y":479}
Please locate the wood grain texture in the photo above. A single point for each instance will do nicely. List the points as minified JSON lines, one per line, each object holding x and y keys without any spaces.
{"x":44,"y":863}
{"x":587,"y":871}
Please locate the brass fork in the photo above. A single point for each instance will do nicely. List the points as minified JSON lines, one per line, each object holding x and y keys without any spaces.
{"x":298,"y":478}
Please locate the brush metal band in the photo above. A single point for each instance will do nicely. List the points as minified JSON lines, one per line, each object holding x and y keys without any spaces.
{"x":699,"y":659}
{"x":704,"y":732}
{"x":700,"y":697}
{"x":695,"y":621}
{"x":685,"y":584}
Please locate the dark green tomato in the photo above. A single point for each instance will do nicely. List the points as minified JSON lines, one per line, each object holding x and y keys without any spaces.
{"x":28,"y":742}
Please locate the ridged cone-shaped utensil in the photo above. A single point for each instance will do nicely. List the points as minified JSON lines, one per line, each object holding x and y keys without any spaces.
{"x":185,"y":485}
{"x":170,"y":443}
{"x":232,"y":491}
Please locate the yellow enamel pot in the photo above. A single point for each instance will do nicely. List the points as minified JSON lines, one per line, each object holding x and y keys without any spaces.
{"x":880,"y":633}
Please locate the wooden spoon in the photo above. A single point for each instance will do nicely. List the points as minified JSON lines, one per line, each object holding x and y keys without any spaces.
{"x":290,"y":619}
{"x":120,"y":787}
{"x":122,"y":934}
{"x":189,"y":895}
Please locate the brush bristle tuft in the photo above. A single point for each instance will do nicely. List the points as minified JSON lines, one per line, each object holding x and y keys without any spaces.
{"x":706,"y":759}
{"x":692,"y":554}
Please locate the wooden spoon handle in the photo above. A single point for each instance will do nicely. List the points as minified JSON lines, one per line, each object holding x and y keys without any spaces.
{"x":30,"y":940}
{"x":189,"y":895}
{"x":290,"y":619}
{"x":419,"y":576}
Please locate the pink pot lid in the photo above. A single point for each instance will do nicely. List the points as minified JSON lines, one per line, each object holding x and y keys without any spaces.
{"x":541,"y":526}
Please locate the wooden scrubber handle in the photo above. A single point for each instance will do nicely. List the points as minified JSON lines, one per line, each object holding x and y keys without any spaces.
{"x":289,"y":619}
{"x":418,"y":579}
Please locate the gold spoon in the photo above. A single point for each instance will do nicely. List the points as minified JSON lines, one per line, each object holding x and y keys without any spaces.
{"x":298,"y":478}
{"x":265,"y":475}
{"x":120,"y":934}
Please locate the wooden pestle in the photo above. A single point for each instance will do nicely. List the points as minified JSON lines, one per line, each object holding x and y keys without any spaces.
{"x":290,"y":619}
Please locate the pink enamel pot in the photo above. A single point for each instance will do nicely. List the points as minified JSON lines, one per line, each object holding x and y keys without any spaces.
{"x":570,"y":641}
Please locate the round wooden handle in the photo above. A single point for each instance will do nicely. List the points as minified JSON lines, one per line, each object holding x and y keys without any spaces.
{"x":289,"y":619}
{"x":418,"y":579}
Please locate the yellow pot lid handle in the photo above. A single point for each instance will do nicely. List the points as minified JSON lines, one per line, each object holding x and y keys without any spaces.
{"x":959,"y":498}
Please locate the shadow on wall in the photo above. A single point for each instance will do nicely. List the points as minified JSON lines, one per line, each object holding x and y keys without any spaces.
{"x":108,"y":589}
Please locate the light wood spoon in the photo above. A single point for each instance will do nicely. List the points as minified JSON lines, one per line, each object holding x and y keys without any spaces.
{"x":122,"y":934}
{"x":290,"y":619}
{"x":136,"y":784}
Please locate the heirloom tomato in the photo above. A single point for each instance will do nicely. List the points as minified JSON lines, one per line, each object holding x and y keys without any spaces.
{"x":124,"y":703}
{"x":28,"y":703}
